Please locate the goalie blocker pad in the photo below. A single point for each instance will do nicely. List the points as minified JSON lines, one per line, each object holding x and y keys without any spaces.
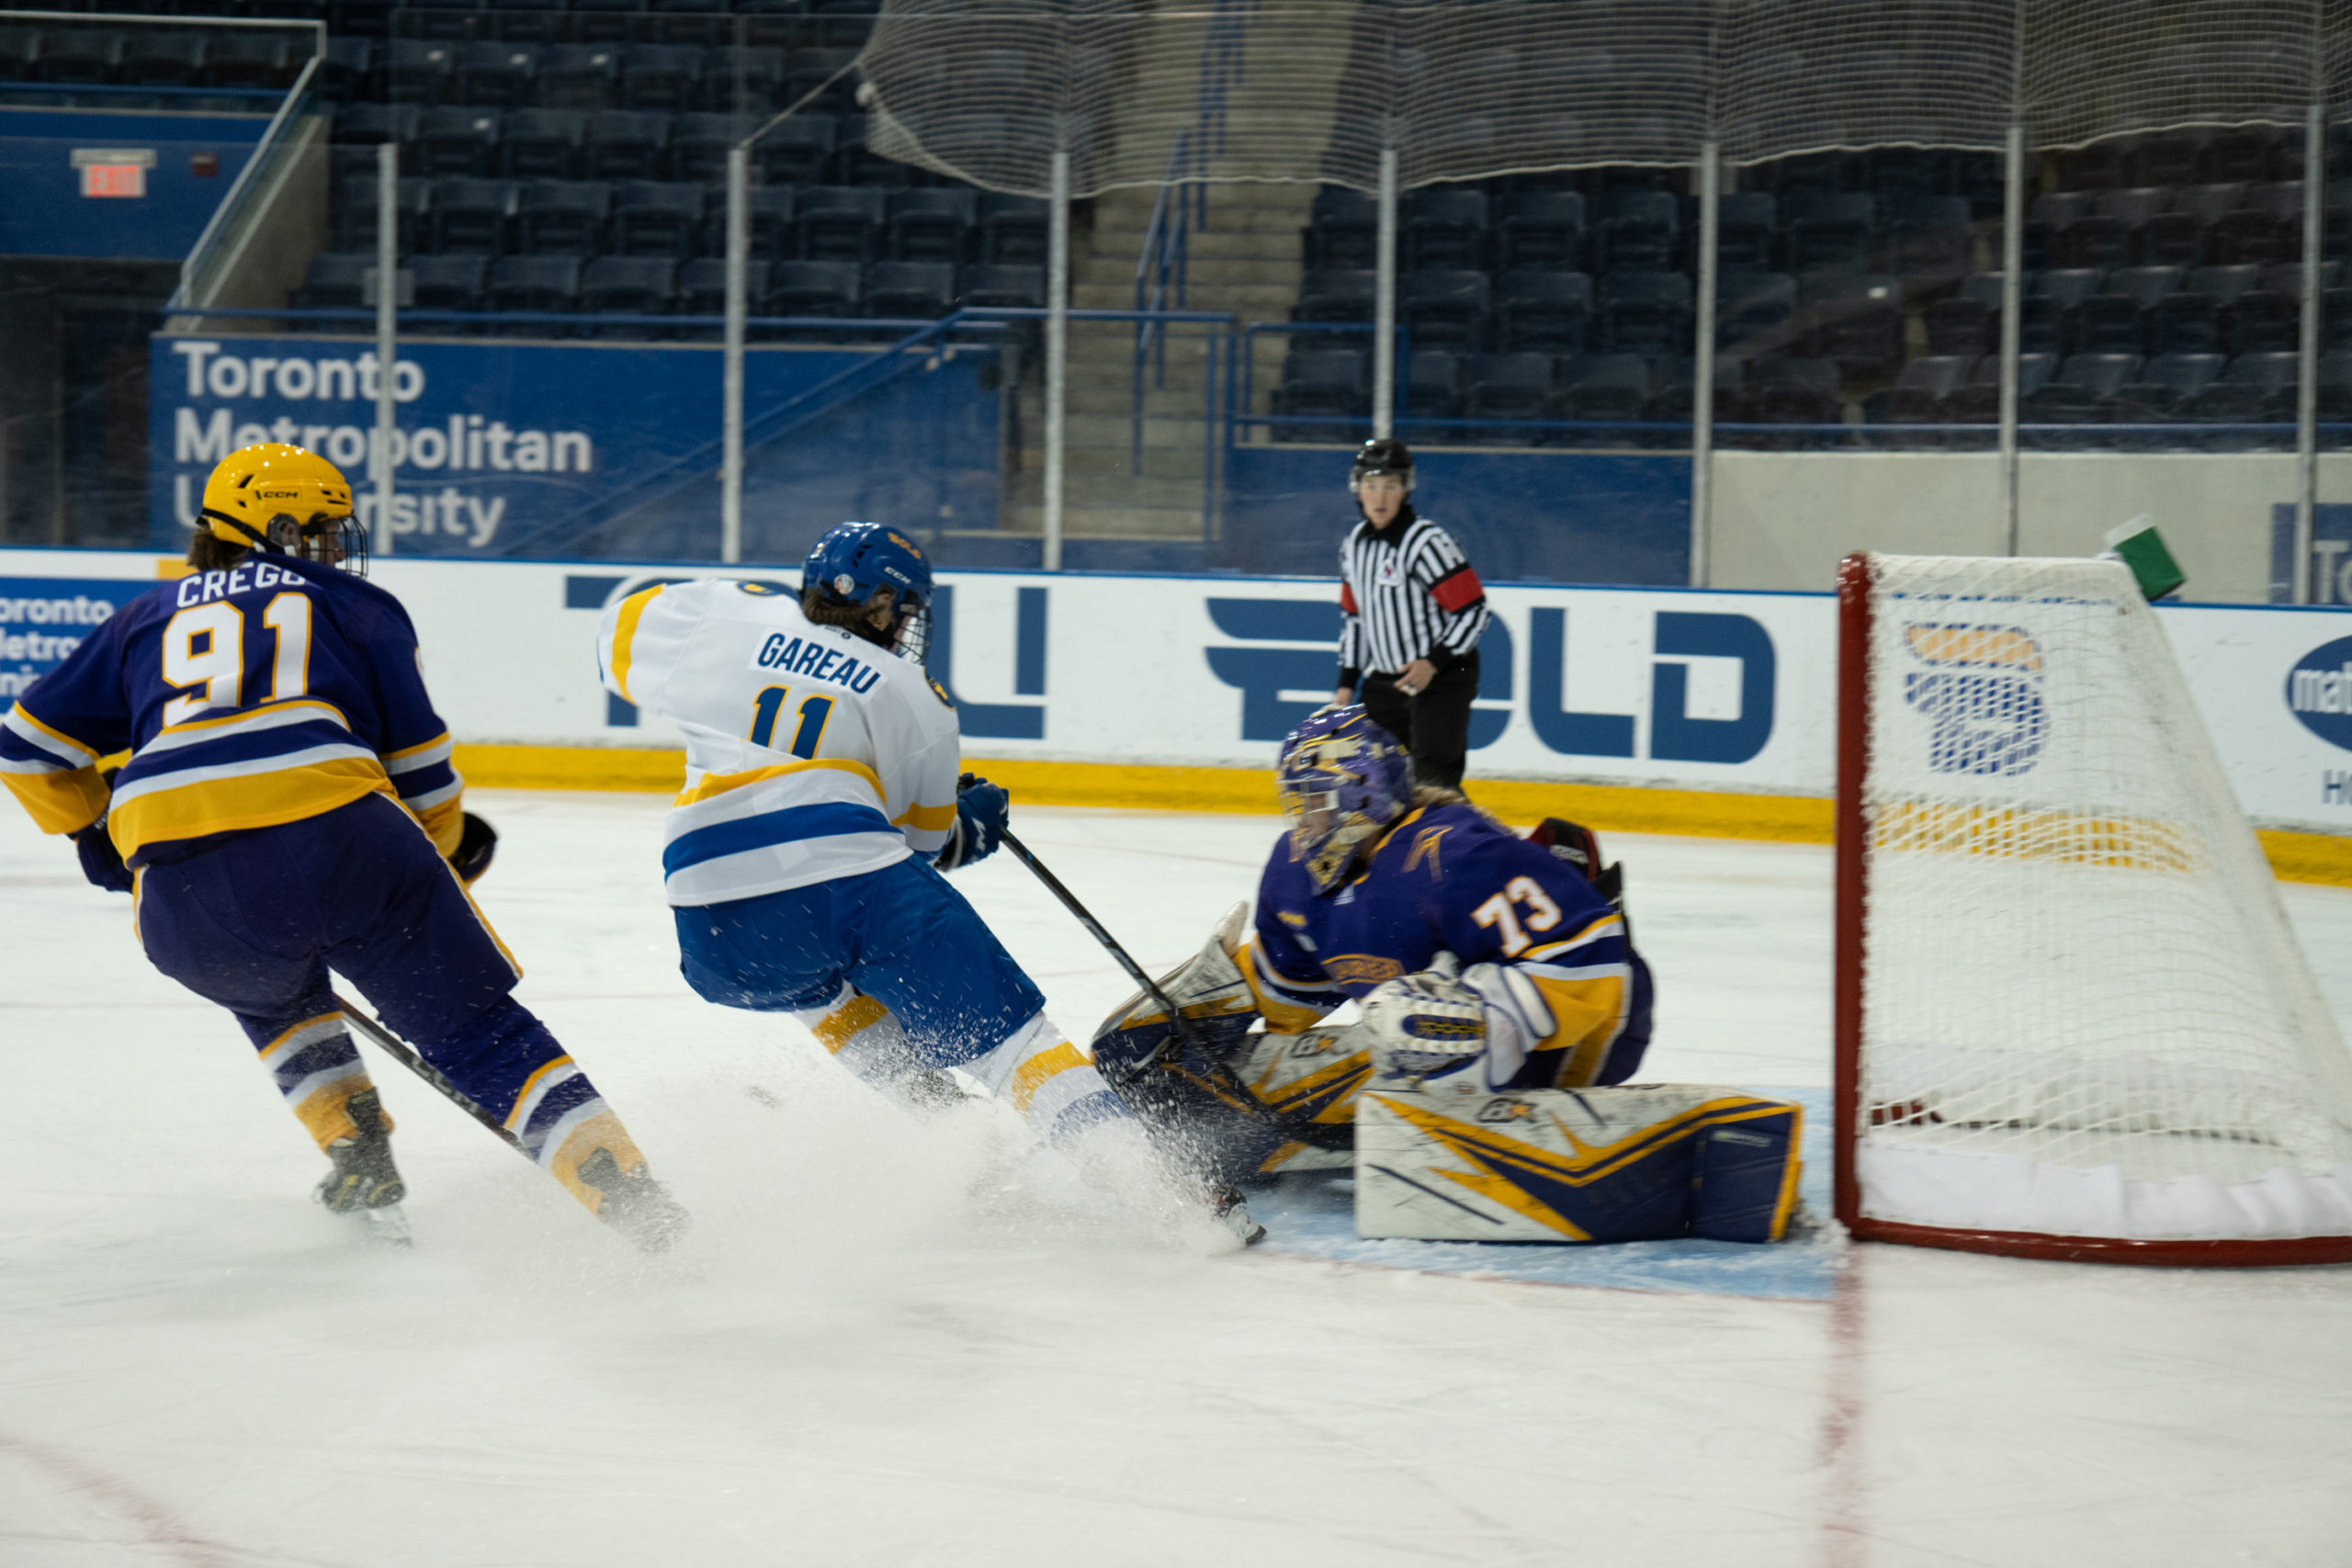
{"x":1637,"y":1163}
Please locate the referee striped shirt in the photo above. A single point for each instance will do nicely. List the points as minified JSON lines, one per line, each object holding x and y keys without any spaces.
{"x":1406,"y":591}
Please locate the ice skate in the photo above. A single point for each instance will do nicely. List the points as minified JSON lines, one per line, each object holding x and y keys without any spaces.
{"x":362,"y":1182}
{"x":1232,"y":1211}
{"x":635,"y":1204}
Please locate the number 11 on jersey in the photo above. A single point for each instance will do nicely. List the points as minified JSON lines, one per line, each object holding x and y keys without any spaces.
{"x":814,"y":712}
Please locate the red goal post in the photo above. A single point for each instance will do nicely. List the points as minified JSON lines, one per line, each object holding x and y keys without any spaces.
{"x":2036,"y":851}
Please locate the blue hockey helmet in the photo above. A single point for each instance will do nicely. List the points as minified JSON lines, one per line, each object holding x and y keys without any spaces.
{"x":1343,"y":781}
{"x":855,"y":561}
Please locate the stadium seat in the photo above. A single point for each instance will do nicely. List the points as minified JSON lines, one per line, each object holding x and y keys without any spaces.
{"x":1828,"y":228}
{"x":456,"y":142}
{"x":355,"y":216}
{"x":808,"y":71}
{"x":534,"y":283}
{"x":1444,"y":226}
{"x":1638,"y":229}
{"x":840,"y":223}
{"x":665,"y":77}
{"x":2226,"y":283}
{"x":699,"y":144}
{"x":1541,"y":228}
{"x":158,"y":57}
{"x":1342,"y":229}
{"x":768,"y":224}
{"x":579,"y":77}
{"x":625,"y":144}
{"x":1674,"y":389}
{"x":1644,"y":312}
{"x":910,"y":288}
{"x":563,"y":217}
{"x":1507,"y":387}
{"x":1809,"y":173}
{"x":349,"y":70}
{"x":755,"y":73}
{"x":450,"y":21}
{"x":526,"y":26}
{"x":1755,"y":311}
{"x":2168,"y":160}
{"x":1001,"y":286}
{"x":813,"y":288}
{"x":1908,"y":171}
{"x":2247,"y":155}
{"x":1854,"y":320}
{"x":2254,"y":234}
{"x":416,"y":71}
{"x":502,"y":75}
{"x":450,"y":283}
{"x":2049,"y":300}
{"x":1968,"y":322}
{"x":1432,"y":388}
{"x":368,"y":125}
{"x":471,"y":214}
{"x":2115,"y":319}
{"x":2079,"y":393}
{"x":1320,"y":384}
{"x":657,"y":218}
{"x":1544,"y":313}
{"x":1602,"y":388}
{"x":1919,"y":390}
{"x":798,"y":151}
{"x":1013,"y":228}
{"x":2255,"y":390}
{"x":687,"y":21}
{"x":605,"y":21}
{"x":702,"y":286}
{"x":2160,"y":394}
{"x":336,"y":281}
{"x":1797,"y":391}
{"x":933,"y":224}
{"x":541,"y":144}
{"x":628,"y":286}
{"x":1977,"y":400}
{"x":258,"y":59}
{"x":2336,"y":397}
{"x":855,"y":164}
{"x":2096,"y":167}
{"x":1925,"y":241}
{"x":1747,"y":231}
{"x":1444,"y":309}
{"x":2265,"y":320}
{"x":80,"y":56}
{"x":19,"y":52}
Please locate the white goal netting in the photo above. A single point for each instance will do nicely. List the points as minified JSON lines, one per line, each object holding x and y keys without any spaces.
{"x":2084,"y":1013}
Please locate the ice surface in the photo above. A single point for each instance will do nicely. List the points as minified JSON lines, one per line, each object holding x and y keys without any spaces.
{"x":875,"y":1353}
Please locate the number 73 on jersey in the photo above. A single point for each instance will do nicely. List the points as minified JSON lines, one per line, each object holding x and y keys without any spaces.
{"x":808,"y":727}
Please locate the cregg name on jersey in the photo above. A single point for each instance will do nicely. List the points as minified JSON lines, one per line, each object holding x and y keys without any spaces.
{"x":804,"y":656}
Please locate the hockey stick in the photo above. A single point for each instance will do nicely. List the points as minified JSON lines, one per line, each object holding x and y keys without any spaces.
{"x":400,"y":1050}
{"x":1226,"y":1084}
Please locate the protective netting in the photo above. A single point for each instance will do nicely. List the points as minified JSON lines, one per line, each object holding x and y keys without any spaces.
{"x":1219,"y":90}
{"x":2084,"y":1011}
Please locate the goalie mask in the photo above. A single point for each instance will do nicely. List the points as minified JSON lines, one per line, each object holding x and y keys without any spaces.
{"x":859,"y":567}
{"x":286,"y":501}
{"x":1343,"y":781}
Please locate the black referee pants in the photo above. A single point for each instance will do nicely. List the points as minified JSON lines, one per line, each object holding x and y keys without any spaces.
{"x":1433,"y":724}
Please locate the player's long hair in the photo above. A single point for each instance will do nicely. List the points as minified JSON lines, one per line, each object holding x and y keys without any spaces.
{"x":826,"y":611}
{"x":1425,"y":796}
{"x":209,"y":552}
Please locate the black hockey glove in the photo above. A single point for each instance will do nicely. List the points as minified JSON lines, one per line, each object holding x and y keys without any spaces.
{"x":476,"y":845}
{"x":101,"y":862}
{"x":1580,"y":847}
{"x":981,"y":814}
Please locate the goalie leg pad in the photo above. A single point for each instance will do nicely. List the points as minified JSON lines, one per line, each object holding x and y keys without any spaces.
{"x":1597,"y":1165}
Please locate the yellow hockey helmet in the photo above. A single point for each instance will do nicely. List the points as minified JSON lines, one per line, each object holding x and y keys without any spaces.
{"x":275,"y":497}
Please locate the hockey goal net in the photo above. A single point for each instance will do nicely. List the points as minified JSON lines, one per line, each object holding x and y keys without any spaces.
{"x":2072,"y":1019}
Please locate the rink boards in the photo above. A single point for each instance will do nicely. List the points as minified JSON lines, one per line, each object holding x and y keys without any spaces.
{"x":1720,"y":696}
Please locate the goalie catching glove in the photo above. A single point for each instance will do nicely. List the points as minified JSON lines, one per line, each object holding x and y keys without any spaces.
{"x":1442,"y":1023}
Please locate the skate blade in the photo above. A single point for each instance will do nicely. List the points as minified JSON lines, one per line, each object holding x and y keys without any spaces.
{"x":386,"y":1228}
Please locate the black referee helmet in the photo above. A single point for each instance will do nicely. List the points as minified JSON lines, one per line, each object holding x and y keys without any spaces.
{"x":1382,"y":455}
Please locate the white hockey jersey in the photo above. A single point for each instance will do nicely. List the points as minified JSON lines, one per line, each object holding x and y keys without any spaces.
{"x":810,"y":753}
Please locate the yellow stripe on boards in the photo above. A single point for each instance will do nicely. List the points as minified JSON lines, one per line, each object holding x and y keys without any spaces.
{"x":1608,"y":808}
